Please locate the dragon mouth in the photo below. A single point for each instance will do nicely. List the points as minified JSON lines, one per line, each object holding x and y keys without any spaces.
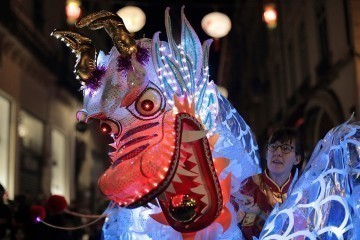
{"x":178,"y":166}
{"x":194,"y":182}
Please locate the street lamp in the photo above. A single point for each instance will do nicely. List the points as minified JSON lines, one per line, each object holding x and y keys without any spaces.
{"x":270,"y":15}
{"x":134,"y":18}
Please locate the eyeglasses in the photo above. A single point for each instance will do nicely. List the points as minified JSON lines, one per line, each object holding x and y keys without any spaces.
{"x":285,"y":148}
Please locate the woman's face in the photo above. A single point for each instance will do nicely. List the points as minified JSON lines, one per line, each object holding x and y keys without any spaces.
{"x":281,"y":157}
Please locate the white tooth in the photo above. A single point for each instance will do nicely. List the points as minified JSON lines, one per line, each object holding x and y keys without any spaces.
{"x":204,"y":209}
{"x":171,"y":189}
{"x":205,"y":200}
{"x":113,"y":144}
{"x":181,"y":164}
{"x":190,"y":136}
{"x":196,"y":169}
{"x":176,"y":179}
{"x":198,"y":180}
{"x":192,"y":159}
{"x":185,"y":172}
{"x":199,"y":190}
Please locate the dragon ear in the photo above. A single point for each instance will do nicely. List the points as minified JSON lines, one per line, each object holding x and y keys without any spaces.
{"x":83,"y":48}
{"x":115,"y":27}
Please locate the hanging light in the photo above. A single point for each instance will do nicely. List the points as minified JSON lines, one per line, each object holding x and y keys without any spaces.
{"x":73,"y":11}
{"x":270,"y":15}
{"x":134,"y":18}
{"x":216,"y":24}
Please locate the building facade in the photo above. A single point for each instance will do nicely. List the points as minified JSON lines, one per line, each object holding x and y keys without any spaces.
{"x":43,"y":149}
{"x":303,"y":73}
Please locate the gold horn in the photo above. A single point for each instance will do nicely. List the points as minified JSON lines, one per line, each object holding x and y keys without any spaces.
{"x":84,"y":50}
{"x":114,"y":26}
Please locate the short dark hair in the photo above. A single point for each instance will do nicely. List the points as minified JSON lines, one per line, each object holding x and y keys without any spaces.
{"x":286,"y":134}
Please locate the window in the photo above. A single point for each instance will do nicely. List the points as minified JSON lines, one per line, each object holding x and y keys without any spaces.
{"x":5,"y":109}
{"x":58,"y":151}
{"x":31,"y":133}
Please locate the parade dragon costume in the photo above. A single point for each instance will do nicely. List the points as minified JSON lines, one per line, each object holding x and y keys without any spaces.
{"x":180,"y":148}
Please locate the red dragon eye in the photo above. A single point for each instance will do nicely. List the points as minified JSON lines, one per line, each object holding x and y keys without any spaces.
{"x":105,"y":128}
{"x":147,"y":105}
{"x":109,"y":126}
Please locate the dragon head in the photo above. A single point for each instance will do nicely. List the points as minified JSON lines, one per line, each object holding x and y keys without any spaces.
{"x":144,"y":95}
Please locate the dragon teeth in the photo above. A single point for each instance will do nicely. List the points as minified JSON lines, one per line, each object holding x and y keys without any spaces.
{"x":198,"y":180}
{"x":113,"y":145}
{"x":176,"y":179}
{"x":205,"y":200}
{"x":171,"y":188}
{"x":185,"y":172}
{"x":199,"y":190}
{"x":196,"y":169}
{"x":192,"y":159}
{"x":181,"y":164}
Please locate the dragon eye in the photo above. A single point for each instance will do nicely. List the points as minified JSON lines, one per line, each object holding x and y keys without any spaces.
{"x":105,"y":128}
{"x":149,"y":102}
{"x":109,"y":127}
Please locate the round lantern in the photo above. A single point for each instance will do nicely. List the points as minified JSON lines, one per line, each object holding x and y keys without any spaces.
{"x":134,"y":18}
{"x":216,"y":24}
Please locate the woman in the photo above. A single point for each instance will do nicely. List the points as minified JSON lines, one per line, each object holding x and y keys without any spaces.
{"x":260,"y":193}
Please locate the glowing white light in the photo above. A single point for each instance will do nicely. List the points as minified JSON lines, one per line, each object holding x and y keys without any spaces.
{"x":134,"y":18}
{"x":216,"y":24}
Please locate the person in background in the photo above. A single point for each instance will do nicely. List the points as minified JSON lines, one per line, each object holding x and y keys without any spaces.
{"x":5,"y":215}
{"x":260,"y":193}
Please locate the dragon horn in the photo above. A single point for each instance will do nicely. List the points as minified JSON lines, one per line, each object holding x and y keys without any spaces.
{"x":84,"y":50}
{"x":115,"y":27}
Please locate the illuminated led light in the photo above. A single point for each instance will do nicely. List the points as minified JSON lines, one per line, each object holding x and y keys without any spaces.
{"x":270,"y":15}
